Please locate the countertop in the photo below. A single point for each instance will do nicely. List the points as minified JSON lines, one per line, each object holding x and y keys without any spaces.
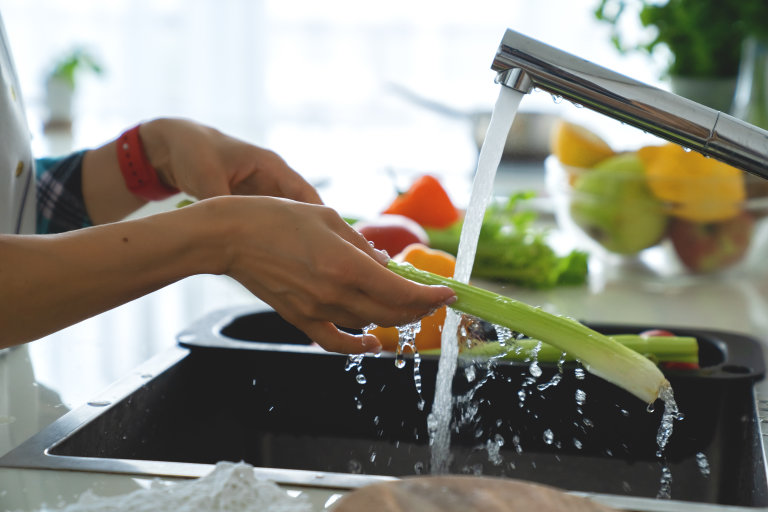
{"x":41,"y":381}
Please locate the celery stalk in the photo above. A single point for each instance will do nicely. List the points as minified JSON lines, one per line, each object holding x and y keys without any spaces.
{"x":599,"y":354}
{"x":660,"y":349}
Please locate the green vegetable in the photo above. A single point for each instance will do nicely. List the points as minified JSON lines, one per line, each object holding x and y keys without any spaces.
{"x":660,"y":349}
{"x":598,"y":353}
{"x":510,"y":249}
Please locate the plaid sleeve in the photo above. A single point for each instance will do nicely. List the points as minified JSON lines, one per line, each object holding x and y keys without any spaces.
{"x":60,"y":204}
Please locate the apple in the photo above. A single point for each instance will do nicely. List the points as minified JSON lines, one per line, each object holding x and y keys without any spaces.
{"x":710,"y":246}
{"x":392,"y":233}
{"x":648,"y":333}
{"x":614,"y":206}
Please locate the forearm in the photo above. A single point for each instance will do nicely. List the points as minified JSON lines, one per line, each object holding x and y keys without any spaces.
{"x":50,"y":282}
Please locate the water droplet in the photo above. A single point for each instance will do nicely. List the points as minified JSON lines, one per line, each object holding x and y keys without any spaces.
{"x":99,"y":403}
{"x":503,"y":334}
{"x":703,"y":463}
{"x":418,"y":468}
{"x":361,"y":379}
{"x":516,"y":443}
{"x":561,"y":362}
{"x":355,"y":467}
{"x":373,"y":457}
{"x":579,"y":373}
{"x":556,"y":378}
{"x":354,"y":361}
{"x":470,"y":373}
{"x":535,"y":369}
{"x":577,"y":444}
{"x":581,"y":396}
{"x":665,"y":489}
{"x":548,"y":436}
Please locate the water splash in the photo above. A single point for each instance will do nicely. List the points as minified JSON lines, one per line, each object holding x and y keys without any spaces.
{"x":493,"y":447}
{"x":554,"y":381}
{"x":407,"y":340}
{"x":670,"y":414}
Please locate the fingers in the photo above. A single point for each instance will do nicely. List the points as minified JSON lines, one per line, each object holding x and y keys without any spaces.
{"x":387,"y":298}
{"x":332,"y":339}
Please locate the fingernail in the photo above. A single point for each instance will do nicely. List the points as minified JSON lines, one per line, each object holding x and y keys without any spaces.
{"x":450,"y":300}
{"x":371,"y":344}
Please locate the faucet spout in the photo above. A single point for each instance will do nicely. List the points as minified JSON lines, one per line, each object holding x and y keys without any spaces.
{"x":524,"y":64}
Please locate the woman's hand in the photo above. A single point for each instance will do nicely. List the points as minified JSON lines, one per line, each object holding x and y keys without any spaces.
{"x":204,"y":163}
{"x":316,"y":271}
{"x":196,"y":159}
{"x":281,"y":243}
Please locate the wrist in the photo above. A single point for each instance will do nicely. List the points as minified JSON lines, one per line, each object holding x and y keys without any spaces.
{"x":140,"y":175}
{"x":208,"y":233}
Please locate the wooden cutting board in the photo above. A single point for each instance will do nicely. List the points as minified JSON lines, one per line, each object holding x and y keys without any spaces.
{"x":463,"y":494}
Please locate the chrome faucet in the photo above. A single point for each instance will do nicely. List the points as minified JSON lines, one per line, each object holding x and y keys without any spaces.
{"x":523,"y":64}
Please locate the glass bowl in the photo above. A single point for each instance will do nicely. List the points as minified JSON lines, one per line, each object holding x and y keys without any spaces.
{"x":673,"y":224}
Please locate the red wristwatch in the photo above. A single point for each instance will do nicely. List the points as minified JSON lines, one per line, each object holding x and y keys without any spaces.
{"x":140,"y":177}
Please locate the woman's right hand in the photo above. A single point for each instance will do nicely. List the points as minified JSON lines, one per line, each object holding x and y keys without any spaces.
{"x":315,"y":270}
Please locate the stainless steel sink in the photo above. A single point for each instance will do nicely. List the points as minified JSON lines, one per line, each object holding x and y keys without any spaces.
{"x":245,"y":385}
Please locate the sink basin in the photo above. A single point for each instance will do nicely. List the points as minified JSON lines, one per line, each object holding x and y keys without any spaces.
{"x":245,"y":385}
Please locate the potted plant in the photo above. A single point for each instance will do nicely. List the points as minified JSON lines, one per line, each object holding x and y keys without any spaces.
{"x":704,"y":39}
{"x":60,"y":86}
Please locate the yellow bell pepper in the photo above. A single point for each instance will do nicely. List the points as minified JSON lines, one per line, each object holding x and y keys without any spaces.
{"x":694,"y":187}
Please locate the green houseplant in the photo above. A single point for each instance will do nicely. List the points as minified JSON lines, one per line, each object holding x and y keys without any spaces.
{"x":704,"y":39}
{"x":61,"y":83}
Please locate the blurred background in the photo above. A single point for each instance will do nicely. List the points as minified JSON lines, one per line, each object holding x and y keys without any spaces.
{"x":339,"y":88}
{"x":319,"y":82}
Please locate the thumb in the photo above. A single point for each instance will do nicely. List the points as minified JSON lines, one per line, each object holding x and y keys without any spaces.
{"x":211,"y":185}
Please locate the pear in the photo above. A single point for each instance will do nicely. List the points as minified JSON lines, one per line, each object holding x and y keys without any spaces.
{"x":613,"y":204}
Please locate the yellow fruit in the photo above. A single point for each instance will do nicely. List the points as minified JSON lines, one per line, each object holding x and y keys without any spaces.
{"x":576,"y":146}
{"x":695,"y":188}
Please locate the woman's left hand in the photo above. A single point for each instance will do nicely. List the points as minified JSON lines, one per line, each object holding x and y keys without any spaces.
{"x":203,"y":162}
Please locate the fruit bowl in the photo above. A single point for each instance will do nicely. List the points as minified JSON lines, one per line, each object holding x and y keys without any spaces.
{"x":675,"y":211}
